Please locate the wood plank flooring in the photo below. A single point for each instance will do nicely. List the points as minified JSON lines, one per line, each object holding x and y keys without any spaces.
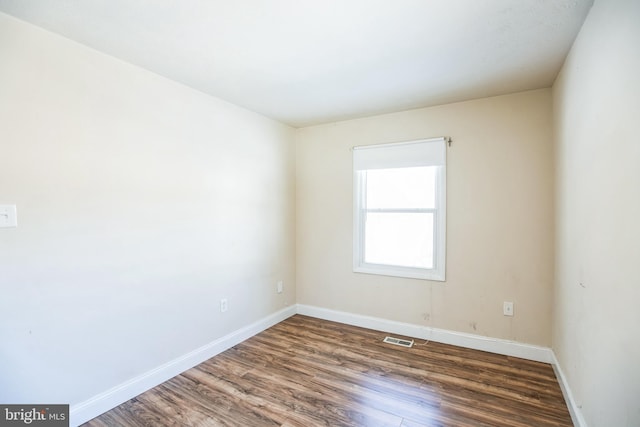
{"x":307,"y":372}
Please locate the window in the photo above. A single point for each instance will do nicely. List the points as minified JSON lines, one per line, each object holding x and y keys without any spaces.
{"x":399,"y":209}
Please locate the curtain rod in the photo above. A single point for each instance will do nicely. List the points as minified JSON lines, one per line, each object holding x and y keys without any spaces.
{"x":446,"y":139}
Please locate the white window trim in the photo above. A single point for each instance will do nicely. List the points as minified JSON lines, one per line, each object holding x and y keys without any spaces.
{"x":438,"y":272}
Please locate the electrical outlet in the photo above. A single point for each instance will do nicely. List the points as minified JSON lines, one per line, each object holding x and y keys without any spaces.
{"x":279,"y":287}
{"x":8,"y":216}
{"x":507,"y":308}
{"x":223,"y":305}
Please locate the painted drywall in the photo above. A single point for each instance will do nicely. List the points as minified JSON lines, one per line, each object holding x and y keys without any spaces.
{"x":596,"y":329}
{"x":499,"y":219}
{"x":141,"y":203}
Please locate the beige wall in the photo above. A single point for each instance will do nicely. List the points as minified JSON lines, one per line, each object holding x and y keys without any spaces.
{"x":141,"y":203}
{"x":596,"y":330}
{"x":500,"y":218}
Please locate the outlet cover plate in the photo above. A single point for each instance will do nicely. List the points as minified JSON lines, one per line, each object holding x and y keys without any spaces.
{"x":8,"y":216}
{"x":507,"y":308}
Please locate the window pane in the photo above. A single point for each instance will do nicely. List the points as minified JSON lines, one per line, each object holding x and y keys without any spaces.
{"x":401,"y":239}
{"x":401,"y":188}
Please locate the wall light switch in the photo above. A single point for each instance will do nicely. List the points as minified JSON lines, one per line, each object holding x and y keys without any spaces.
{"x":8,"y":216}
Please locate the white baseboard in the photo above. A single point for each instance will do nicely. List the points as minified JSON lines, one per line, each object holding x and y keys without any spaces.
{"x":477,"y":342}
{"x":119,"y":394}
{"x":115,"y":396}
{"x":574,"y":409}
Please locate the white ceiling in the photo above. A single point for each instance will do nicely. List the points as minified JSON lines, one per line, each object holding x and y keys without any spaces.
{"x":312,"y":61}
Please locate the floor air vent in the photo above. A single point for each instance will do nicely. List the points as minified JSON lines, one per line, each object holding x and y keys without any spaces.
{"x":398,"y":341}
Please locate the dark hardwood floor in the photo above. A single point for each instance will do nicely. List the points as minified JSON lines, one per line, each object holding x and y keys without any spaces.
{"x":307,"y":372}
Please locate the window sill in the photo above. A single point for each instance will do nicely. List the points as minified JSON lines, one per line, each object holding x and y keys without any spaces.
{"x":406,"y":272}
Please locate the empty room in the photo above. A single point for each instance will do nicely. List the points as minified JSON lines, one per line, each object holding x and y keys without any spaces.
{"x":320,"y":213}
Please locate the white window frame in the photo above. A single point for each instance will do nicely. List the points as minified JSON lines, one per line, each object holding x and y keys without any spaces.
{"x":410,"y":154}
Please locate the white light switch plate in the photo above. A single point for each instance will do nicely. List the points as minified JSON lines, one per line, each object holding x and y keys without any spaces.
{"x":8,"y":216}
